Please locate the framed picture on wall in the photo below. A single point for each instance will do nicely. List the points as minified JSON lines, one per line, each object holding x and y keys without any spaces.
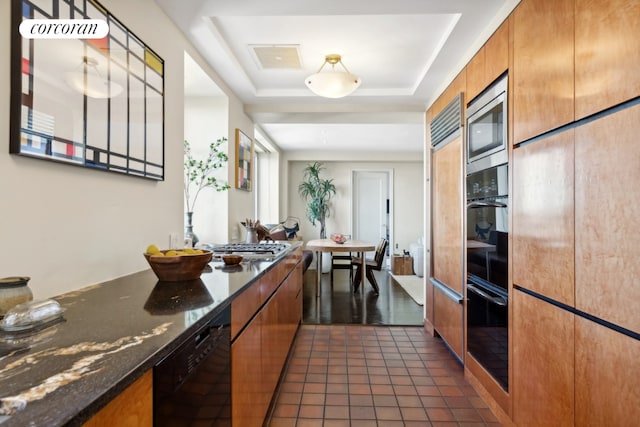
{"x":244,"y":161}
{"x":91,"y":102}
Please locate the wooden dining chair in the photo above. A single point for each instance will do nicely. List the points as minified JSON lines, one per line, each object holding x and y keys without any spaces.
{"x":375,"y":264}
{"x":341,"y":261}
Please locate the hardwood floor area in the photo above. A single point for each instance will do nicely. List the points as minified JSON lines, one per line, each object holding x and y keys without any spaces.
{"x":338,"y":304}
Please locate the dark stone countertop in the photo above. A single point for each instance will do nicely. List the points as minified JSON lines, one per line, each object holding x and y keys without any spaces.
{"x":112,"y":333}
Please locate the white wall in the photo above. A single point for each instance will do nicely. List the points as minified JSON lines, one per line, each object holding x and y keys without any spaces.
{"x":67,"y":227}
{"x":408,"y":198}
{"x":205,"y":121}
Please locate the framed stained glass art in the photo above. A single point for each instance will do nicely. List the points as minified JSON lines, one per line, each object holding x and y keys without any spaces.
{"x":90,"y":102}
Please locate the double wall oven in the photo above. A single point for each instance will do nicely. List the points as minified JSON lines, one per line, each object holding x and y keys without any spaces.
{"x":487,"y":231}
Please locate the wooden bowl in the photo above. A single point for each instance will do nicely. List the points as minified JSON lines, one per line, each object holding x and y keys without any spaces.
{"x":179,"y":267}
{"x":232,"y":259}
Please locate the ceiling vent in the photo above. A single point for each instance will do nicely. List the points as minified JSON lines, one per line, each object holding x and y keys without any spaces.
{"x":276,"y":56}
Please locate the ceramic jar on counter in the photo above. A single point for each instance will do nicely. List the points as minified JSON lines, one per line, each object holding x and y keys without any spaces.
{"x":13,"y":291}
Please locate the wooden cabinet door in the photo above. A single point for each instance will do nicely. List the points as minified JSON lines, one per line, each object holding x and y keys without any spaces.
{"x":475,"y":75}
{"x":131,"y":408}
{"x":543,"y":71}
{"x":543,"y":217}
{"x":543,"y":361}
{"x":447,"y":215}
{"x":489,"y":62}
{"x":447,"y":241}
{"x":448,"y":321}
{"x":496,"y":57}
{"x":607,"y":54}
{"x":247,"y":397}
{"x":607,"y":376}
{"x":608,"y":218}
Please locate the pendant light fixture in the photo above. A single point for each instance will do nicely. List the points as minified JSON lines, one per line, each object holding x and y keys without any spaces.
{"x":333,"y":83}
{"x":88,"y":80}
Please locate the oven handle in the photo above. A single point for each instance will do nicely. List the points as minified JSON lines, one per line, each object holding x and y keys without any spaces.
{"x":486,"y":204}
{"x":501,"y":301}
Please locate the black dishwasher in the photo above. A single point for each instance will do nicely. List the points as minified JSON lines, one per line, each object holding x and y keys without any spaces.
{"x":192,"y":386}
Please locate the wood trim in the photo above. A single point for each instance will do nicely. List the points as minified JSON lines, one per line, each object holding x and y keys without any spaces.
{"x":490,"y":387}
{"x":494,"y":406}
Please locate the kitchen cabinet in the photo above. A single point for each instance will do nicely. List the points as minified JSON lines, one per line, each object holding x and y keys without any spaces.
{"x":543,"y":67}
{"x":447,"y":321}
{"x":248,"y":405}
{"x":131,"y":408}
{"x":606,"y":54}
{"x":447,"y":242}
{"x":607,"y":376}
{"x":457,"y":85}
{"x":488,"y":63}
{"x":447,"y":215}
{"x":608,"y":218}
{"x":543,"y":360}
{"x":260,"y":349}
{"x":543,"y":217}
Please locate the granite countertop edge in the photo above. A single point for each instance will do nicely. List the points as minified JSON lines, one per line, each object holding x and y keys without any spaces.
{"x":125,"y":296}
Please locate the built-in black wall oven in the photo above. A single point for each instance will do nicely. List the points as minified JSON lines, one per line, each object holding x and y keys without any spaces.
{"x":487,"y":270}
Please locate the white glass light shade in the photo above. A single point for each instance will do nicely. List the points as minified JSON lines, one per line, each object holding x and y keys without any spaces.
{"x":333,"y":84}
{"x":94,"y":87}
{"x":88,"y":80}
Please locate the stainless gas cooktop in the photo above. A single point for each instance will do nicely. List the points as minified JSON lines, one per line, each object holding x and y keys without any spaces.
{"x":251,"y":250}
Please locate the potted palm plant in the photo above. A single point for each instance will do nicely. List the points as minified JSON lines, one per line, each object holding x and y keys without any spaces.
{"x":200,"y":174}
{"x":317,"y":192}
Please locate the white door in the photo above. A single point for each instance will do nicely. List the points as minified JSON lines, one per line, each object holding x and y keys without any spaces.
{"x":371,"y":197}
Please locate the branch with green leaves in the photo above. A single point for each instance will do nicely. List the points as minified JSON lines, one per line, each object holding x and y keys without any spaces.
{"x":199,"y":174}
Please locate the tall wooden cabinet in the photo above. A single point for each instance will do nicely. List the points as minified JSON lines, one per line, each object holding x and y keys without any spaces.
{"x":608,"y":218}
{"x":606,"y":54}
{"x":574,"y":269}
{"x":543,"y":72}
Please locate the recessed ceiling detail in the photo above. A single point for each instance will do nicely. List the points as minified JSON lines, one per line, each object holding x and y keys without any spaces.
{"x":276,"y":56}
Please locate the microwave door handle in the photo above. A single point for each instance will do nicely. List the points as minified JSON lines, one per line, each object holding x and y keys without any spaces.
{"x":486,"y":204}
{"x":496,"y":300}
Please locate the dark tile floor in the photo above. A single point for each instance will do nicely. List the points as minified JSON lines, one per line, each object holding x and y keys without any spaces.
{"x":352,"y":366}
{"x":338,"y":304}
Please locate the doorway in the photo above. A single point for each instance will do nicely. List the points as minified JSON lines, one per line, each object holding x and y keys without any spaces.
{"x":371,"y":200}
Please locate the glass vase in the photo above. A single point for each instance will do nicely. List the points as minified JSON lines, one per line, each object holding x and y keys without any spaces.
{"x":188,"y":229}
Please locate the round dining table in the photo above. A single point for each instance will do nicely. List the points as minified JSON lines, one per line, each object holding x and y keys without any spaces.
{"x":327,"y":245}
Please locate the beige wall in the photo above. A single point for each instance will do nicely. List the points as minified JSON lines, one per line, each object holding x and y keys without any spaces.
{"x":205,"y":121}
{"x":408,"y":197}
{"x":67,"y":227}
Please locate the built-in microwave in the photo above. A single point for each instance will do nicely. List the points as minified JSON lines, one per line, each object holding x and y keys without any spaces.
{"x":487,"y":128}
